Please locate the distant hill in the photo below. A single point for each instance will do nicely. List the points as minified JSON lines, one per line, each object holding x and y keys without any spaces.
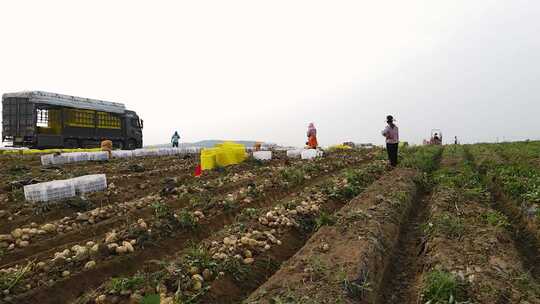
{"x":208,"y":143}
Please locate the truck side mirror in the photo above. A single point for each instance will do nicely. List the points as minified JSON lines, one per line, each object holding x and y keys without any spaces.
{"x":142,"y":123}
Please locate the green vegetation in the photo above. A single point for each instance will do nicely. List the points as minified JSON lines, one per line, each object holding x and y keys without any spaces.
{"x":151,"y":299}
{"x":520,"y":182}
{"x":324,"y":219}
{"x":515,"y":167}
{"x":357,"y":180}
{"x":253,"y":191}
{"x":358,"y":288}
{"x":10,"y":280}
{"x":247,"y":214}
{"x":422,"y":158}
{"x":448,"y":225}
{"x":161,"y":210}
{"x":526,"y":283}
{"x":198,"y":256}
{"x":117,"y":285}
{"x":18,"y":169}
{"x":292,"y":176}
{"x":442,"y":287}
{"x":17,"y":195}
{"x":235,"y":268}
{"x":496,"y":219}
{"x":186,"y":220}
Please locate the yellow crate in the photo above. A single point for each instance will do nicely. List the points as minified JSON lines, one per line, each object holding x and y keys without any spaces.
{"x":108,"y":121}
{"x":80,"y":118}
{"x":222,"y":155}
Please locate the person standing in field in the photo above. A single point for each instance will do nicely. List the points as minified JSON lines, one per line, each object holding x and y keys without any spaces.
{"x":312,"y":136}
{"x":455,"y":140}
{"x":391,"y":133}
{"x":175,"y":138}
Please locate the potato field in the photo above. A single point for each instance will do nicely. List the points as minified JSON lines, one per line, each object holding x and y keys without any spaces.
{"x":450,"y":224}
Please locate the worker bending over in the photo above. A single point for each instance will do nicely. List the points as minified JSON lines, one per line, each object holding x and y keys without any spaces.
{"x":107,"y":145}
{"x":391,"y":133}
{"x":312,"y":137}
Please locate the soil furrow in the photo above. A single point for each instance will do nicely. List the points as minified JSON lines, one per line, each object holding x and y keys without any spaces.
{"x":470,"y":256}
{"x":46,"y":247}
{"x":525,"y":239}
{"x":71,"y":287}
{"x":401,"y":278}
{"x":129,"y":184}
{"x":229,"y":289}
{"x":524,"y":233}
{"x":314,"y":202}
{"x":347,"y":262}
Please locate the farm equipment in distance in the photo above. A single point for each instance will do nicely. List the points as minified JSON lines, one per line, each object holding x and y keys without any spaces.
{"x":436,"y":137}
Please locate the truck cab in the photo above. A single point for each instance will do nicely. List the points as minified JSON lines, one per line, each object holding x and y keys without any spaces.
{"x":133,"y":130}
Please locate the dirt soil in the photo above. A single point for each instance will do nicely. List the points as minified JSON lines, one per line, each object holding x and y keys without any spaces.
{"x":344,"y":263}
{"x":71,"y":287}
{"x":401,"y":280}
{"x":482,"y":255}
{"x":230,"y":290}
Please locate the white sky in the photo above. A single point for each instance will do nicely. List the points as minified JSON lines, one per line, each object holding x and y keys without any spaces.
{"x":263,"y":70}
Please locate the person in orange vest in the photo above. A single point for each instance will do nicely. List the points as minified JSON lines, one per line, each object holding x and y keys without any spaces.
{"x":107,"y":145}
{"x":312,"y":137}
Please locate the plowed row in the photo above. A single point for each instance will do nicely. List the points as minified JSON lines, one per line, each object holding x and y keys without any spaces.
{"x":114,"y":243}
{"x":444,"y":227}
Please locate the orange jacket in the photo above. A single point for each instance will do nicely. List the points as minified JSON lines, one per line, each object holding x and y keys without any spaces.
{"x":312,"y":142}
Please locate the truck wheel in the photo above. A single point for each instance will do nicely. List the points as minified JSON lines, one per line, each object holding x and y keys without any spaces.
{"x":132,"y":144}
{"x":118,"y":144}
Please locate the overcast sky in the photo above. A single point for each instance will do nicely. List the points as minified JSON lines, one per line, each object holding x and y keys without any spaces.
{"x":263,"y":70}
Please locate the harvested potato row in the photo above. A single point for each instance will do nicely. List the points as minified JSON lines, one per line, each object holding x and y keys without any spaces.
{"x":227,"y":266}
{"x":33,"y":238}
{"x":469,"y":253}
{"x":165,"y":234}
{"x":345,"y":263}
{"x":25,"y":241}
{"x":122,"y":187}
